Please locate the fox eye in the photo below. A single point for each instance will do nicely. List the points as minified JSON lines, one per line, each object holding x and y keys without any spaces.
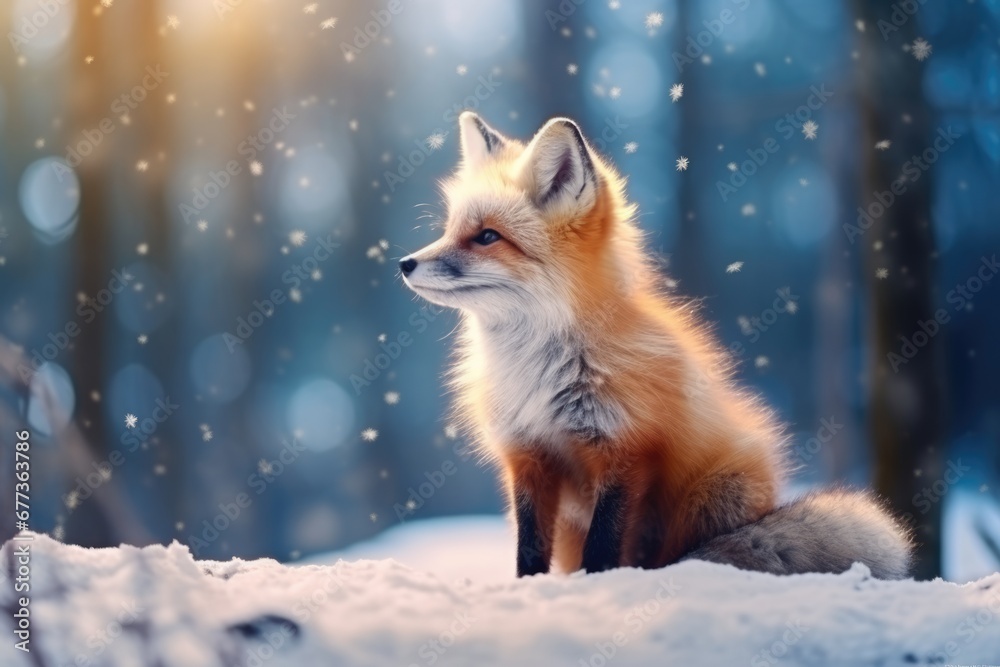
{"x":487,"y":236}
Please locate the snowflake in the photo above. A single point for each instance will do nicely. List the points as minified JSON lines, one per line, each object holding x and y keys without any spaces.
{"x":295,"y":295}
{"x":141,"y":165}
{"x":369,"y":435}
{"x":462,"y":70}
{"x":131,"y":420}
{"x":631,"y":147}
{"x":382,"y":243}
{"x":391,"y":397}
{"x":860,"y":25}
{"x":382,"y":338}
{"x":921,"y":49}
{"x":883,"y":145}
{"x":264,"y":467}
{"x":734,"y":267}
{"x":206,"y":435}
{"x":451,"y":431}
{"x":809,"y":129}
{"x":614,"y":4}
{"x":682,"y":163}
{"x":256,"y":168}
{"x":373,"y":516}
{"x":654,"y":20}
{"x":173,"y":21}
{"x":792,"y":307}
{"x":411,"y":504}
{"x":881,"y":273}
{"x":760,"y":69}
{"x":435,"y":141}
{"x":310,"y":8}
{"x":107,"y":3}
{"x":142,"y":339}
{"x":202,"y":225}
{"x":615,"y":92}
{"x":572,"y":69}
{"x":328,"y":24}
{"x":297,"y":237}
{"x":676,"y":92}
{"x":732,"y":166}
{"x":88,"y":59}
{"x":762,"y":362}
{"x":748,"y":210}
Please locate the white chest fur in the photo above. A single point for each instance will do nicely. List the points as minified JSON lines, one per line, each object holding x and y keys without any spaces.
{"x":545,"y":388}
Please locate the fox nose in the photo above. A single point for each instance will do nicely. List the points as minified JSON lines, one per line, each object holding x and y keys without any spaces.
{"x":406,"y":265}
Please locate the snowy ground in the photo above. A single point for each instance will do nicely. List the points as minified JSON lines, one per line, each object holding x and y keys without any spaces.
{"x":158,"y":606}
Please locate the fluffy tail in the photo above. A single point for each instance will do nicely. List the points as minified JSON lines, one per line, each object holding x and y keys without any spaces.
{"x":822,"y":532}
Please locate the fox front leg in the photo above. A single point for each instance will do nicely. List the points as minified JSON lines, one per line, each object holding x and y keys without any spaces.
{"x":602,"y":549}
{"x":534,"y":493}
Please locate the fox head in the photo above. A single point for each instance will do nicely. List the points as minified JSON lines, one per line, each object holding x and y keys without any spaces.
{"x":531,"y":229}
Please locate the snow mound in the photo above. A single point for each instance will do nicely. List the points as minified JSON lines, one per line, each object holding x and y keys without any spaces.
{"x":158,"y":606}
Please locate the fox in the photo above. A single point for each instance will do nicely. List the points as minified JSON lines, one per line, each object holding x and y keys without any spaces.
{"x":613,"y":417}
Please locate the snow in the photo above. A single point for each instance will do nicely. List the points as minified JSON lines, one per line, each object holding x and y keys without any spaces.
{"x":456,"y":602}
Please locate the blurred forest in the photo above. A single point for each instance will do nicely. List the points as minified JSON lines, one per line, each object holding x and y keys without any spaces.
{"x":202,"y":204}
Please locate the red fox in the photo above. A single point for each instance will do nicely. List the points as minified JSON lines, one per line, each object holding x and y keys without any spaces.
{"x":609,"y":409}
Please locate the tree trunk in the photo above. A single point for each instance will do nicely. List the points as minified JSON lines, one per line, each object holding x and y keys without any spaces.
{"x":907,"y":411}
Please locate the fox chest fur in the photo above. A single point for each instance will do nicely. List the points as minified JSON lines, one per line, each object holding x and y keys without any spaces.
{"x":545,"y":389}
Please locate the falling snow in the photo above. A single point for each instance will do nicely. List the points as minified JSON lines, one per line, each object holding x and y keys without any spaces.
{"x":676,"y":92}
{"x":369,"y":435}
{"x":131,"y":420}
{"x":631,"y":147}
{"x":734,"y":267}
{"x":882,"y":273}
{"x":435,"y":141}
{"x":921,"y":49}
{"x":809,"y":129}
{"x":682,"y":163}
{"x":654,"y":20}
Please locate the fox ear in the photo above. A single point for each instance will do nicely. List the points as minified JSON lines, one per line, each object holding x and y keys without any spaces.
{"x":562,"y":167}
{"x":479,"y":140}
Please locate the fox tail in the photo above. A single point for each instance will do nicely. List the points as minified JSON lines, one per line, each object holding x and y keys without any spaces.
{"x":821,"y":532}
